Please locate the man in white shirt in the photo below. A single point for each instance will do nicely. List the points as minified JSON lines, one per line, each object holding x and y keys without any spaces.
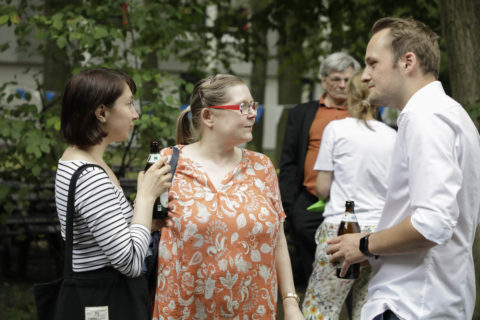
{"x":424,"y":268}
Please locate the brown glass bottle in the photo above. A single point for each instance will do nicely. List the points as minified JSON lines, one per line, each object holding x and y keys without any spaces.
{"x":349,"y":224}
{"x":152,"y":158}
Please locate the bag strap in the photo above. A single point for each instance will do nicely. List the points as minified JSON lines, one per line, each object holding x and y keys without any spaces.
{"x":173,"y":161}
{"x":173,"y":165}
{"x":67,"y":265}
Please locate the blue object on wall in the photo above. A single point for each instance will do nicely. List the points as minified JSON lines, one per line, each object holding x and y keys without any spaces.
{"x":259,"y":113}
{"x":49,"y":95}
{"x":22,"y":93}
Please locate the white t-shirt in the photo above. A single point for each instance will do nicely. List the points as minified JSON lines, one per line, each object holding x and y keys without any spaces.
{"x":435,"y":180}
{"x":360,"y":160}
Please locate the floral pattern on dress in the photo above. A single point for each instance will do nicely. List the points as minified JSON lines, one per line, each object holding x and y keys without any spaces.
{"x":326,"y":294}
{"x":217,"y":251}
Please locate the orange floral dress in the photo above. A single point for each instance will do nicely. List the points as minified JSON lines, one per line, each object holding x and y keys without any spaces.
{"x":217,"y":252}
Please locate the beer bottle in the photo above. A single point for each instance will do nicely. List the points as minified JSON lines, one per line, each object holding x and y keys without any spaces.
{"x":152,"y":158}
{"x":349,"y":224}
{"x":154,"y":154}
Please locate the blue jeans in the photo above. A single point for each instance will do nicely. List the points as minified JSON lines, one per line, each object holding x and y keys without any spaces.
{"x":387,"y":315}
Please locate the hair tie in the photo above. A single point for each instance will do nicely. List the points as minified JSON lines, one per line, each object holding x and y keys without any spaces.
{"x":188,"y":111}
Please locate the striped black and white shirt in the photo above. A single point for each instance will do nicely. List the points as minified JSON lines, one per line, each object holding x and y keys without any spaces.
{"x":102,"y":233}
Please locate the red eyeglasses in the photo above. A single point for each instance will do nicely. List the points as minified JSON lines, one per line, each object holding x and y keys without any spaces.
{"x":243,"y":107}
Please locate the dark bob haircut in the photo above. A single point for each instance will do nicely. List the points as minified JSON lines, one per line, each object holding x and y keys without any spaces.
{"x":83,"y":93}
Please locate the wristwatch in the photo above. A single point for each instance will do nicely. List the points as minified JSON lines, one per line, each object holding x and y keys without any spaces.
{"x":364,"y":246}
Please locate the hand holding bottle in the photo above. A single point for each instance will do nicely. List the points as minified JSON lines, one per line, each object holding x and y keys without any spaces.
{"x":150,"y":185}
{"x":349,"y":224}
{"x":155,"y":181}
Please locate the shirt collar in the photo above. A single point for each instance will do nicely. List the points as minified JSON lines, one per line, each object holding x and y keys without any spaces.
{"x":321,"y":103}
{"x":431,"y":89}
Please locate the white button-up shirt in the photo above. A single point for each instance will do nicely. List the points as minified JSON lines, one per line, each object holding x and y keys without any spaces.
{"x":435,"y":180}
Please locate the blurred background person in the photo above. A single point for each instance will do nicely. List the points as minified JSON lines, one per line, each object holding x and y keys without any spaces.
{"x":223,"y":248}
{"x":353,"y":164}
{"x":109,"y":237}
{"x":303,"y":135}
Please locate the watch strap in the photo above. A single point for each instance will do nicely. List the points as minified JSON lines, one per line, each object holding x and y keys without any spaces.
{"x":364,"y":246}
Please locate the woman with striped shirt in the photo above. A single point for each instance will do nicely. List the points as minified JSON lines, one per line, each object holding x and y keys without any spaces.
{"x":97,"y":109}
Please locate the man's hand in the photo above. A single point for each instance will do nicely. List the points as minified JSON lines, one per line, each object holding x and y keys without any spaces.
{"x":346,"y":247}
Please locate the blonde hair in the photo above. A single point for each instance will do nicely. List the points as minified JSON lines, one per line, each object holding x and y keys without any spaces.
{"x":211,"y":91}
{"x":358,"y":105}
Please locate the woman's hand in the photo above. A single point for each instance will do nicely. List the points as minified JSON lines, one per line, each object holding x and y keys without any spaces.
{"x":150,"y":185}
{"x":291,"y":310}
{"x":155,"y":181}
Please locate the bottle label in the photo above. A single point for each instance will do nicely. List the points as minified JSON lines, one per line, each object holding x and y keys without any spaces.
{"x":152,"y":158}
{"x":349,"y":218}
{"x":164,"y":199}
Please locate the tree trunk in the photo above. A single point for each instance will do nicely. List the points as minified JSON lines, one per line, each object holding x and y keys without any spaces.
{"x":337,"y":35}
{"x":461,"y":28}
{"x":55,"y":63}
{"x":289,"y":77}
{"x":258,"y":75}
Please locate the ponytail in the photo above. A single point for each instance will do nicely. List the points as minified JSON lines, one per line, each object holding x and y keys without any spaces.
{"x":358,"y":105}
{"x":185,"y":134}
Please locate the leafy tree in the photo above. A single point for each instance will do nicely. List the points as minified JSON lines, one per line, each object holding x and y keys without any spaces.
{"x":133,"y":36}
{"x":309,"y":30}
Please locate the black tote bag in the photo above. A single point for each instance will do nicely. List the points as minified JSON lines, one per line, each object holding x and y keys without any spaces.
{"x":94,"y":295}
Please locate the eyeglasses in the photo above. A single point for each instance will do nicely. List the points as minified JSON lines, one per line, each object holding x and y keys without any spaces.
{"x":244,"y":107}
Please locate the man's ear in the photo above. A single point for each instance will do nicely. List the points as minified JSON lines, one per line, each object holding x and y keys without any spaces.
{"x":324,"y":82}
{"x":101,"y":113}
{"x":409,"y":62}
{"x":207,"y":117}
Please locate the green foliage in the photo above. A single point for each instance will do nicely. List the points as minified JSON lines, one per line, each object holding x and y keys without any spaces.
{"x":474,"y":112}
{"x":309,"y":29}
{"x":28,"y":139}
{"x":135,"y":37}
{"x":16,"y":301}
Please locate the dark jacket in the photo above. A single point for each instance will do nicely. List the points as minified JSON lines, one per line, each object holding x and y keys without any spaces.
{"x":294,"y":150}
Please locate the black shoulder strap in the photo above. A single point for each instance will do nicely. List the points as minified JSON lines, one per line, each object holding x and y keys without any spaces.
{"x":173,"y":165}
{"x":173,"y":161}
{"x":67,"y":265}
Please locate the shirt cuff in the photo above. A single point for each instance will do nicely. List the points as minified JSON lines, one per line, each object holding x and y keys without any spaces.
{"x":143,"y":234}
{"x":430,"y":225}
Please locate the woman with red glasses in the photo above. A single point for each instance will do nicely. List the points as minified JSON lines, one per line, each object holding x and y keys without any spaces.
{"x":223,"y":249}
